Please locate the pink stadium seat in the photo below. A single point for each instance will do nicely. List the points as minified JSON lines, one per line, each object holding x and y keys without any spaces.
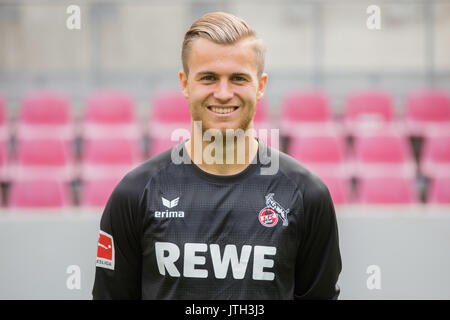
{"x":110,"y":114}
{"x":41,"y":193}
{"x":96,"y":192}
{"x":305,"y":112}
{"x":43,"y":152}
{"x":110,"y":107}
{"x":39,"y":158}
{"x":4,"y":159}
{"x":387,"y":190}
{"x":367,"y":109}
{"x":427,"y":111}
{"x":436,"y":156}
{"x":45,"y":114}
{"x":385,"y":153}
{"x":439,"y":190}
{"x":109,"y":157}
{"x":3,"y":110}
{"x":310,"y":106}
{"x":339,"y":188}
{"x":169,"y":111}
{"x":112,"y":151}
{"x":323,"y":154}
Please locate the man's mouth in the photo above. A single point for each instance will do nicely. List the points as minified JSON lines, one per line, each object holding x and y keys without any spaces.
{"x":223,"y":110}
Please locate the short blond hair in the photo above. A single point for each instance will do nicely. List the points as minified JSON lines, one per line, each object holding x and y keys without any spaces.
{"x":222,"y":28}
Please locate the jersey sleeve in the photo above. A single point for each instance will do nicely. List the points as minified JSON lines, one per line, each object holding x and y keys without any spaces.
{"x":118,"y":265}
{"x":319,"y":261}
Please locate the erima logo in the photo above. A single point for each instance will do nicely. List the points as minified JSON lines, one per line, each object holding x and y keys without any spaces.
{"x":169,"y":214}
{"x":170,"y":204}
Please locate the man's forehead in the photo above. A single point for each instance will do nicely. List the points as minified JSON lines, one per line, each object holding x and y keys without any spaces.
{"x":206,"y":53}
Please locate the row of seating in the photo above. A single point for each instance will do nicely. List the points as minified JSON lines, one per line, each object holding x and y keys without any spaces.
{"x":42,"y":145}
{"x":108,"y":113}
{"x":38,"y":193}
{"x":379,"y":154}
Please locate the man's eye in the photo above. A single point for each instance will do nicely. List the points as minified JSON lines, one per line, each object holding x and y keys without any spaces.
{"x":237,"y":78}
{"x":207,"y":78}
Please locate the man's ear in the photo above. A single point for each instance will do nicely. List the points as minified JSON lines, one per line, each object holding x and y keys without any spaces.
{"x":184,"y":81}
{"x":261,"y":86}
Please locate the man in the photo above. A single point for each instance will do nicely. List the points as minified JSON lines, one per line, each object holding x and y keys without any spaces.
{"x":214,"y":226}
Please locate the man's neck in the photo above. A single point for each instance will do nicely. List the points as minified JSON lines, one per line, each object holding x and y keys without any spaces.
{"x":225,"y":157}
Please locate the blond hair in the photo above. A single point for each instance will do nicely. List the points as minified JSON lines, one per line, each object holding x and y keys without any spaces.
{"x":222,"y":28}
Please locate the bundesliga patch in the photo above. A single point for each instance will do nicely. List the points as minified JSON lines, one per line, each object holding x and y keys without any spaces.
{"x":105,"y":251}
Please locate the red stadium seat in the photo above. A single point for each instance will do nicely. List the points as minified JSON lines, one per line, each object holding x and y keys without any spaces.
{"x":110,"y":114}
{"x":45,"y":114}
{"x":170,"y":111}
{"x":340,"y":189}
{"x":436,"y":156}
{"x":439,"y":190}
{"x":43,"y":158}
{"x":96,"y":192}
{"x":304,"y":112}
{"x":4,"y":123}
{"x":387,"y":190}
{"x":384,"y":153}
{"x":40,"y":193}
{"x":427,"y":111}
{"x":368,"y":109}
{"x":109,"y":157}
{"x":322,"y":154}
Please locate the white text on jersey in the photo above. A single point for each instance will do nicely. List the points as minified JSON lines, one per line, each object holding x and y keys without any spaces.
{"x":167,"y":254}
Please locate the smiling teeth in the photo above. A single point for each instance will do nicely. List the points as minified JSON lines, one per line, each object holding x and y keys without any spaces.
{"x":222,"y":110}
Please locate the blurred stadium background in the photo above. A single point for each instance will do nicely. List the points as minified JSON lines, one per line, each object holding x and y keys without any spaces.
{"x":367,"y":110}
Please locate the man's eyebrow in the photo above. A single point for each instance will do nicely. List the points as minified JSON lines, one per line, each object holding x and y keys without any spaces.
{"x":234,"y":74}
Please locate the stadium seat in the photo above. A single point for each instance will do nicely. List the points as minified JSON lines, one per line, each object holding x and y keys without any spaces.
{"x":340,"y":189}
{"x":110,"y":114}
{"x":45,"y":114}
{"x":322,"y":154}
{"x":436,"y":156}
{"x":109,"y":157}
{"x":427,"y":111}
{"x":43,"y":158}
{"x":39,"y":193}
{"x":96,"y":192}
{"x":368,"y":109}
{"x":305,"y":112}
{"x":387,"y":190}
{"x":169,"y":111}
{"x":4,"y":121}
{"x":383,"y":154}
{"x":439,"y":190}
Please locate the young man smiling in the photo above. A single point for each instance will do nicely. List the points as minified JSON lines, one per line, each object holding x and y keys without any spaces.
{"x":219,"y":229}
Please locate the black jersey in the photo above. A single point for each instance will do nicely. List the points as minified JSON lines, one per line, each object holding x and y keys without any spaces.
{"x":173,"y":231}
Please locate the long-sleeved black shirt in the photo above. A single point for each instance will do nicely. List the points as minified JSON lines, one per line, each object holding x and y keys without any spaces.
{"x":173,"y":231}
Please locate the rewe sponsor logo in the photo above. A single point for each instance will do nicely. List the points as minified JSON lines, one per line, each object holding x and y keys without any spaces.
{"x":195,"y":256}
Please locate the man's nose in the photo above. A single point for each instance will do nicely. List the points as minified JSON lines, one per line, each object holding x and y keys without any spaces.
{"x":223,"y":91}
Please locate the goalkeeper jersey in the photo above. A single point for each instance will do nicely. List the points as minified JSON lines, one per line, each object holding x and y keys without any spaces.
{"x":173,"y":231}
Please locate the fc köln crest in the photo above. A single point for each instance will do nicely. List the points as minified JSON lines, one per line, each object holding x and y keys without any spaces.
{"x":273,"y":211}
